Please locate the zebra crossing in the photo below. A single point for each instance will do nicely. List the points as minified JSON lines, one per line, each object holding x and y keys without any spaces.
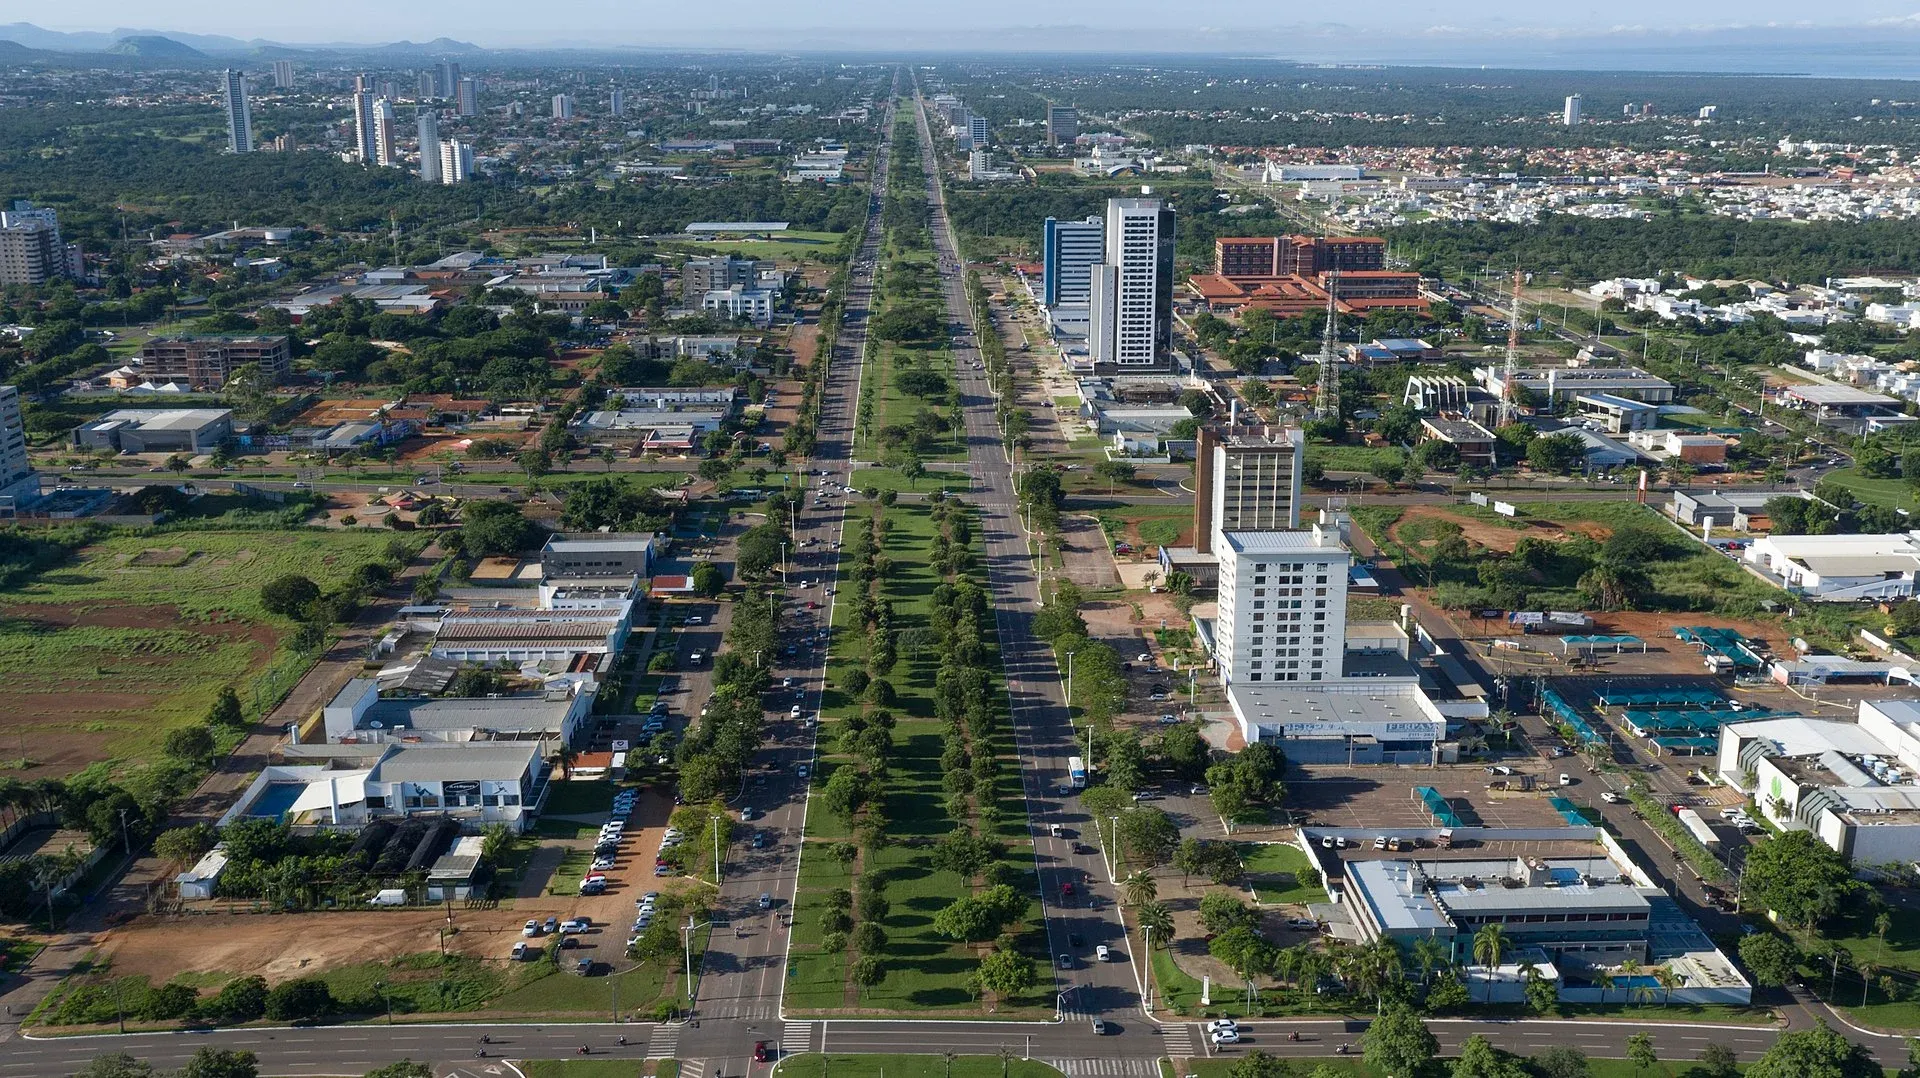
{"x":664,"y":1042}
{"x":796,"y":1037}
{"x":693,"y":1068}
{"x":749,"y":1008}
{"x":1107,"y":1068}
{"x":1178,"y":1037}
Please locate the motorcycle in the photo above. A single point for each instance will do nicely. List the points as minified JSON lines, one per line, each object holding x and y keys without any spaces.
{"x":1342,"y":1050}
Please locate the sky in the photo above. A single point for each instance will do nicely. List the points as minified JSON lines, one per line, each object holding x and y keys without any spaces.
{"x":507,"y":23}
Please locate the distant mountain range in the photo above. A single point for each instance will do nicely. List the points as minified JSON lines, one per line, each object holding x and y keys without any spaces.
{"x":23,"y":41}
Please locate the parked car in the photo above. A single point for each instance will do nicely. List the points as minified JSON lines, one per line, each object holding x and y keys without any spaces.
{"x":520,"y":951}
{"x":1304,"y":924}
{"x":552,"y":925}
{"x":1064,"y":961}
{"x":1101,"y":953}
{"x":530,"y":929}
{"x":574,"y":925}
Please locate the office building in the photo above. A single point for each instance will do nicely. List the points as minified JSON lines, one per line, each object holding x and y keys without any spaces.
{"x":617,"y":102}
{"x":1261,"y":257}
{"x":429,"y":146}
{"x":239,"y":119}
{"x":1063,"y":125}
{"x":1069,"y":250}
{"x":1570,"y":113}
{"x":384,"y":152}
{"x":699,"y":276}
{"x":1131,"y":320}
{"x":427,"y":85}
{"x":1854,"y":784}
{"x":208,"y":361}
{"x":1282,"y":608}
{"x":466,"y":99}
{"x":1558,"y":386}
{"x":283,"y":74}
{"x":448,"y":84}
{"x":977,"y":133}
{"x":364,"y":144}
{"x":597,"y":554}
{"x":456,"y":161}
{"x":563,"y":106}
{"x":18,"y":481}
{"x":1252,"y":482}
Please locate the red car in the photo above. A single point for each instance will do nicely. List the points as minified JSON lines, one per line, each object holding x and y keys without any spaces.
{"x":1066,"y":889}
{"x":760,"y":1053}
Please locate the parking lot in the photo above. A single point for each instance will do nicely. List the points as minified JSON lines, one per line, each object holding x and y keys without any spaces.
{"x":1382,"y":798}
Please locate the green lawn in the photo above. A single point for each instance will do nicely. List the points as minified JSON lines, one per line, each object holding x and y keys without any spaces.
{"x":890,"y":479}
{"x":1350,"y":458}
{"x":1280,"y":873}
{"x":1354,"y":1065}
{"x":793,"y":245}
{"x":1146,"y":525}
{"x":814,"y":1065}
{"x":1894,"y":493}
{"x":579,"y":1068}
{"x":579,"y":798}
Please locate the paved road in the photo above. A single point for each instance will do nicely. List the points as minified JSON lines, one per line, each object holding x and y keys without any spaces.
{"x":1043,"y":733}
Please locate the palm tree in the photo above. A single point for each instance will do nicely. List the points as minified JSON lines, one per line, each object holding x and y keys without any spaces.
{"x":1605,"y":980}
{"x":567,"y":756}
{"x":1668,"y":981}
{"x":1429,"y":955}
{"x":1140,"y":888}
{"x":1881,"y":924}
{"x":1156,"y":920}
{"x":1489,"y":947}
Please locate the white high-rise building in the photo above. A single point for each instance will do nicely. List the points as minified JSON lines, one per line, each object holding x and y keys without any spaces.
{"x":456,"y":161}
{"x":18,"y":480}
{"x":429,"y":146}
{"x":466,"y":98}
{"x":449,"y":81}
{"x":384,"y":152}
{"x":1255,"y":482}
{"x":977,"y":133}
{"x":1283,"y":607}
{"x":239,"y":118}
{"x":563,"y":106}
{"x":617,"y":102}
{"x":283,"y":74}
{"x":1131,"y":320}
{"x":1570,"y":114}
{"x":363,"y":141}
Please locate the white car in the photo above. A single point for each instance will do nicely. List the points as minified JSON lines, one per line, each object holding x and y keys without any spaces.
{"x":1225,"y":1036}
{"x":601,"y":864}
{"x":1223,"y":1025}
{"x":1611,"y":798}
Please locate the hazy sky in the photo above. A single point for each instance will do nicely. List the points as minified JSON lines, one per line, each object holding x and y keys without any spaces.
{"x":505,"y":23}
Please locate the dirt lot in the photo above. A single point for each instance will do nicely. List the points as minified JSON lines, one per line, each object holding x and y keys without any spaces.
{"x":1492,"y":536}
{"x":1086,"y":558}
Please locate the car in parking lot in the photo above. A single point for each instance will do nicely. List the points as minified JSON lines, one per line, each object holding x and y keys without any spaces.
{"x":1101,"y":954}
{"x":520,"y":950}
{"x":574,"y":925}
{"x":746,"y":812}
{"x":1064,"y":961}
{"x":552,"y":925}
{"x":1380,"y":842}
{"x":1305,"y":924}
{"x":1146,"y":795}
{"x":530,"y":929}
{"x":1082,"y":848}
{"x":601,"y":864}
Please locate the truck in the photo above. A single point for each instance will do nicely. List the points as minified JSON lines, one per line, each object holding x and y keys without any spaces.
{"x":1076,"y":772}
{"x":390,"y":896}
{"x":1697,"y":827}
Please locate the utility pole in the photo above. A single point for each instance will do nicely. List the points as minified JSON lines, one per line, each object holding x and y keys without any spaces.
{"x":1328,"y":404}
{"x":714,"y":822}
{"x":1510,"y":371}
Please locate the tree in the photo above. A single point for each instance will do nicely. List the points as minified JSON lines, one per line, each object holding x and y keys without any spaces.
{"x":1258,"y":1064}
{"x":1398,"y":1042}
{"x":1489,"y":946}
{"x":708,"y":580}
{"x":495,"y":527}
{"x":1719,"y":1061}
{"x":1542,"y":994}
{"x":115,"y":1065}
{"x":1148,"y":834}
{"x":1479,"y":1059}
{"x":226,"y":709}
{"x":289,"y":595}
{"x":868,"y":971}
{"x":211,"y":1062}
{"x":536,"y":462}
{"x":1139,"y":888}
{"x":405,"y":1068}
{"x":242,"y":999}
{"x":1561,"y":1061}
{"x":193,"y":744}
{"x":1814,"y":1053}
{"x":1006,"y":973}
{"x":1114,"y":472}
{"x":1799,"y":877}
{"x":1245,"y":951}
{"x":1640,"y":1051}
{"x":300,"y":1000}
{"x":1556,"y":453}
{"x":1156,"y":920}
{"x":185,"y":845}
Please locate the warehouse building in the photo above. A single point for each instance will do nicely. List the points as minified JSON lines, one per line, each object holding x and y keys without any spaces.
{"x":173,"y":430}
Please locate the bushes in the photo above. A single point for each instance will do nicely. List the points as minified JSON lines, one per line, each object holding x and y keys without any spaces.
{"x":301,"y":1000}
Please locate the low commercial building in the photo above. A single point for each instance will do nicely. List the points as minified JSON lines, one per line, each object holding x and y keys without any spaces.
{"x":354,"y":784}
{"x":1474,"y":442}
{"x":1360,"y":720}
{"x":1856,"y":785}
{"x":1681,"y":446}
{"x":176,"y":430}
{"x":1829,"y":400}
{"x":587,"y":637}
{"x":753,"y":304}
{"x":1738,"y":510}
{"x":597,"y":554}
{"x":358,"y":714}
{"x":1619,"y":415}
{"x":1839,"y":568}
{"x":1558,"y":386}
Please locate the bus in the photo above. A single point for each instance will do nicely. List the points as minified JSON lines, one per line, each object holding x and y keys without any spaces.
{"x":1076,"y":772}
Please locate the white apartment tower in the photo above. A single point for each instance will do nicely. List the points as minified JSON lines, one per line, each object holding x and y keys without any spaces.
{"x":239,"y":118}
{"x":563,"y":106}
{"x":1254,"y":482}
{"x":466,"y":98}
{"x":1570,"y":114}
{"x":1131,"y":322}
{"x":283,"y":74}
{"x":617,"y":102}
{"x":363,"y":140}
{"x":384,"y":152}
{"x":17,"y":477}
{"x":1282,"y":607}
{"x":429,"y":146}
{"x":456,"y":161}
{"x":449,"y":81}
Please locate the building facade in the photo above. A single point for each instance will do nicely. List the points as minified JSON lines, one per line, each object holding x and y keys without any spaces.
{"x":1131,"y":324}
{"x":429,"y":124}
{"x":364,"y":144}
{"x":1255,"y":482}
{"x":563,"y":106}
{"x":207,"y":362}
{"x":1069,"y":251}
{"x":1063,"y":125}
{"x":456,"y":161}
{"x":239,"y":117}
{"x":1282,"y":607}
{"x":283,"y":74}
{"x":18,"y":481}
{"x":466,"y":100}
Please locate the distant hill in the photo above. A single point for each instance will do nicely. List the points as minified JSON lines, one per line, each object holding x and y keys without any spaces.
{"x":155,"y":47}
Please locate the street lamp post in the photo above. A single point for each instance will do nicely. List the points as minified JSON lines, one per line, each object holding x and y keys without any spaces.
{"x":714,"y":822}
{"x":1069,"y":700}
{"x":1146,"y":970}
{"x":686,"y":944}
{"x":1113,"y":859}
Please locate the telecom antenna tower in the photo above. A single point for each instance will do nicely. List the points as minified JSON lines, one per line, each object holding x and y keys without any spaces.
{"x":1510,"y":372}
{"x":1328,"y":405}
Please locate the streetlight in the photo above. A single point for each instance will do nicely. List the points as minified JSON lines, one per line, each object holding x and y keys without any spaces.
{"x":1113,"y":875}
{"x":715,"y":822}
{"x":1070,"y":687}
{"x":686,"y":943}
{"x":126,"y":842}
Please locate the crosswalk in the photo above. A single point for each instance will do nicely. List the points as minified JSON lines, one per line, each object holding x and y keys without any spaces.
{"x":740,"y":1008}
{"x":797,"y":1037}
{"x":1178,"y":1037}
{"x":1107,"y":1068}
{"x":664,"y":1042}
{"x":693,"y":1068}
